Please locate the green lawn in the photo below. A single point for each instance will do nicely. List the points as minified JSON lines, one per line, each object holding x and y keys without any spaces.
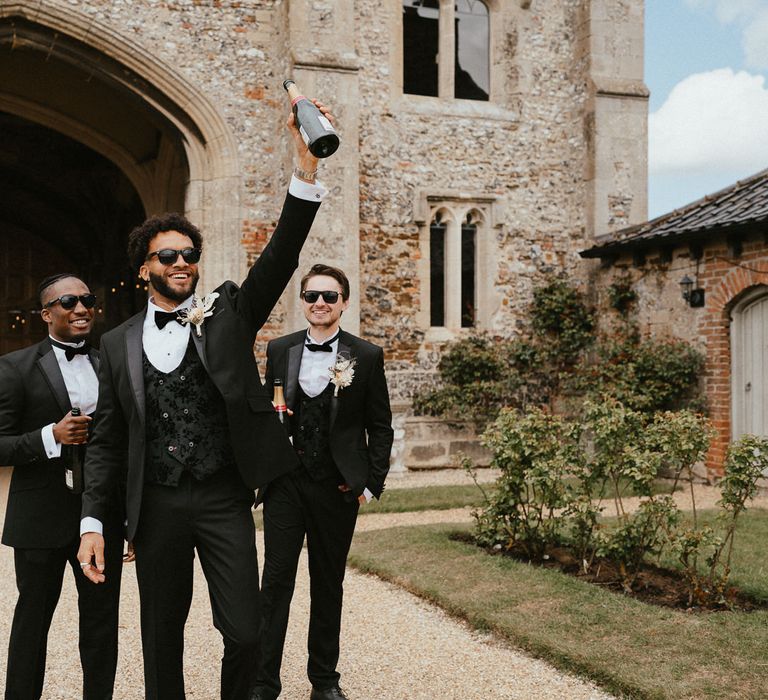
{"x":427,"y":498}
{"x":446,"y":497}
{"x":627,"y":646}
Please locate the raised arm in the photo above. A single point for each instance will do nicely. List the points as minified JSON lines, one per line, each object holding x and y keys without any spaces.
{"x":270,"y":274}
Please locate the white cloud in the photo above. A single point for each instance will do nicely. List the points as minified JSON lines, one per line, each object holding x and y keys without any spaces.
{"x":752,"y":18}
{"x":710,"y":121}
{"x":755,"y":41}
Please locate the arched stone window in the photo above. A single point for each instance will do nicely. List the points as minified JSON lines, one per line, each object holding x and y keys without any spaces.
{"x":458,"y":261}
{"x":437,"y":240}
{"x":471,"y":76}
{"x":469,"y":270}
{"x":447,"y":48}
{"x":456,"y":242}
{"x":421,"y":20}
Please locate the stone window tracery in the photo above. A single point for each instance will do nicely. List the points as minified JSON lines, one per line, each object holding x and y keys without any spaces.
{"x":446,"y":48}
{"x":455,"y":236}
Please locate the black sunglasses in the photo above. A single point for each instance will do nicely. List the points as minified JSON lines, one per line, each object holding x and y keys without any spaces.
{"x":69,"y":301}
{"x":168,"y":256}
{"x":328,"y":297}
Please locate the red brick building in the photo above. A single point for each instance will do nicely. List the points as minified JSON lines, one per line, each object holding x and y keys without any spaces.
{"x":701,"y":274}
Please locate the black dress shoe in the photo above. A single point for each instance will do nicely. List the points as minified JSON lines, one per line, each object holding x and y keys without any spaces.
{"x":262,"y":694}
{"x":329,"y":694}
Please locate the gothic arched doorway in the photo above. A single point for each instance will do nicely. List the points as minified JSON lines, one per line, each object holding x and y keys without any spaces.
{"x":64,"y":207}
{"x":81,"y":162}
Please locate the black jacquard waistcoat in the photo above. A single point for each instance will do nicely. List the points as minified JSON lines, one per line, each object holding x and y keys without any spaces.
{"x":311,"y":428}
{"x":186,"y":427}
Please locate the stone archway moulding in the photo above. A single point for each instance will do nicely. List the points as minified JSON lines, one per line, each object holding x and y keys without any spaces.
{"x":212,"y":197}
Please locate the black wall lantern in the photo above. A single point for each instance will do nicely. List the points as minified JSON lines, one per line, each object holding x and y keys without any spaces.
{"x":694,"y":297}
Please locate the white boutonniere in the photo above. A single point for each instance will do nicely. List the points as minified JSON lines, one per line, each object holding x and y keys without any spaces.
{"x":201,"y":309}
{"x":342,"y":373}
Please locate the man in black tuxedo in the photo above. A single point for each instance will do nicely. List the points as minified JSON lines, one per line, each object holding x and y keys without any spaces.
{"x":184,"y":415}
{"x":342,"y":435}
{"x":38,"y":388}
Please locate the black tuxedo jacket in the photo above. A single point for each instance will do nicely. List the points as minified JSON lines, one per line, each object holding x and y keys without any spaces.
{"x":42,"y":512}
{"x":262,"y":451}
{"x":361,"y":420}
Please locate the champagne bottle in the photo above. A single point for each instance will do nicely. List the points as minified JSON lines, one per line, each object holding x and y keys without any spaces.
{"x":318,"y":133}
{"x":74,"y":461}
{"x":278,"y":399}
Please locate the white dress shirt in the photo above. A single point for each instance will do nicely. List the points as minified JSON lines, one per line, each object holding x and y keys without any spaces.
{"x":82,"y":388}
{"x":315,"y":373}
{"x":165,"y":347}
{"x":315,"y":368}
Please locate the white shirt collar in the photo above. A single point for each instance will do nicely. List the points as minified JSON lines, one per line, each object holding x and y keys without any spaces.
{"x":333,"y":340}
{"x":152,"y":307}
{"x":64,"y":342}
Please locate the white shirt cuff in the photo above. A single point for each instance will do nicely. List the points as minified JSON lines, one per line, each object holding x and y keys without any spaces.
{"x":306,"y":190}
{"x":52,"y":448}
{"x":368,"y":495}
{"x":91,"y":525}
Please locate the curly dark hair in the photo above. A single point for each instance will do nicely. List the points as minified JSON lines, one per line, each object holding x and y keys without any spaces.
{"x":328,"y":271}
{"x":140,"y":238}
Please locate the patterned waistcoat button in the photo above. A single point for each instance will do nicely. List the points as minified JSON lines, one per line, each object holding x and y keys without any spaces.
{"x":186,"y":411}
{"x":170,"y":448}
{"x":191,"y":444}
{"x":165,"y":415}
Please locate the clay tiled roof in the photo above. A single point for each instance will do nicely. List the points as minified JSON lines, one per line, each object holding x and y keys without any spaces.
{"x":734,"y":208}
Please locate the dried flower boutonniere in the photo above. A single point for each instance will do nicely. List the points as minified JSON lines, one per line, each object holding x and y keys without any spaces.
{"x":342,"y":373}
{"x":199,"y":311}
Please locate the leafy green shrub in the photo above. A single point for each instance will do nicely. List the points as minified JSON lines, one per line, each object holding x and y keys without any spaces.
{"x":621,"y":296}
{"x":535,"y":453}
{"x":562,"y":322}
{"x":645,"y":374}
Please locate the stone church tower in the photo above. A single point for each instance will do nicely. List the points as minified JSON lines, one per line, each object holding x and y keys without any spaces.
{"x":484,"y":143}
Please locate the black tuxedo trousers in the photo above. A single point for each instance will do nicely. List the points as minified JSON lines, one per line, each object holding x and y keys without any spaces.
{"x":296,"y":505}
{"x":212,"y":517}
{"x":39,"y":577}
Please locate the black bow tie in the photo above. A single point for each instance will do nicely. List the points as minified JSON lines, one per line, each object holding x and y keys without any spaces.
{"x":324,"y":347}
{"x":69,"y":351}
{"x":321,"y":347}
{"x":163,"y":318}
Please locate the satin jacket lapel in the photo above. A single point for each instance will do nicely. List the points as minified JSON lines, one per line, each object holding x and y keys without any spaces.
{"x":200,"y":343}
{"x":345,"y":351}
{"x":292,"y":373}
{"x":52,"y":373}
{"x":93,"y":356}
{"x":133,"y":358}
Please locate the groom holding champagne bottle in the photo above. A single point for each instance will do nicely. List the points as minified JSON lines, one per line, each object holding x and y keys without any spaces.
{"x":186,"y":424}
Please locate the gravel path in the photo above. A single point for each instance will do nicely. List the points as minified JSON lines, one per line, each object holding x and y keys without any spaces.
{"x":394,"y":646}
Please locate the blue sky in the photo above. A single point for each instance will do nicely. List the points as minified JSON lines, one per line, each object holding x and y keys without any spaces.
{"x":706,"y":64}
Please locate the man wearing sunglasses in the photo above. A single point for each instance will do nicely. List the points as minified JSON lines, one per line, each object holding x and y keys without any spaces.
{"x":342,"y":435}
{"x":183,"y":410}
{"x":39,"y":386}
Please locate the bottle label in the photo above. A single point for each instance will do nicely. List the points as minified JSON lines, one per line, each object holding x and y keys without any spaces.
{"x":304,"y":135}
{"x":324,"y":121}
